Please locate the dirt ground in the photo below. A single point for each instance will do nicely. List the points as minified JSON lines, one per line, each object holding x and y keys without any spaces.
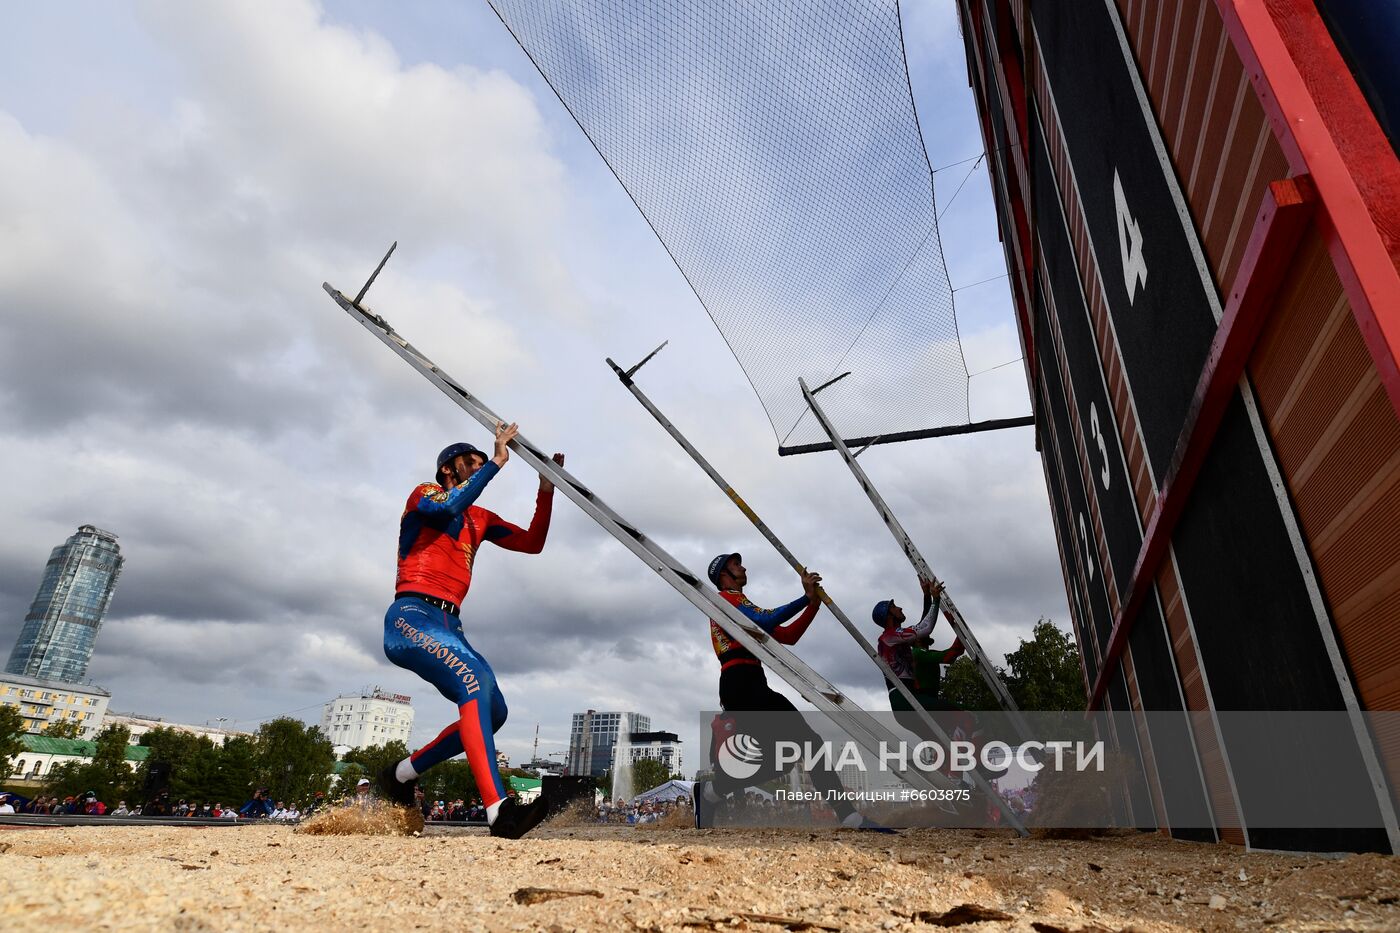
{"x":644,"y":879}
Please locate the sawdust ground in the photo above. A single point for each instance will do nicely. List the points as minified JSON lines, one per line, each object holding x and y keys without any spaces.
{"x":267,"y":877}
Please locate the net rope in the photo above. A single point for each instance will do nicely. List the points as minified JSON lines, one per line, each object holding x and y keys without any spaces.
{"x":774,"y":149}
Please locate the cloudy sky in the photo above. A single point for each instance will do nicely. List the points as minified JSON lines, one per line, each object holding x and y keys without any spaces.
{"x":179,"y":179}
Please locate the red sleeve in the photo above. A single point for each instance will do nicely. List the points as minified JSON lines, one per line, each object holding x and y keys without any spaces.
{"x":526,"y":540}
{"x":788,"y":633}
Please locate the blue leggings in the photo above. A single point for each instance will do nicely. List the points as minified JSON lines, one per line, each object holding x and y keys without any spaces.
{"x":428,"y":641}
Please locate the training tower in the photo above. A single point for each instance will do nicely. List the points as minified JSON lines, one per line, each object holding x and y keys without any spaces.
{"x":1200,"y":210}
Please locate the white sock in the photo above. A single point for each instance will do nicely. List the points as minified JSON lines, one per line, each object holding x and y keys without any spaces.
{"x":853,"y":821}
{"x":492,"y":810}
{"x":404,"y":771}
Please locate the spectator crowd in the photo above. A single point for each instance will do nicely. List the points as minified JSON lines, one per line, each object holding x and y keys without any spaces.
{"x":634,"y":814}
{"x":260,"y":806}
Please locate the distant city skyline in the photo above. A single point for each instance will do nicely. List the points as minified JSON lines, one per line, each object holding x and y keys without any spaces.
{"x":60,"y":629}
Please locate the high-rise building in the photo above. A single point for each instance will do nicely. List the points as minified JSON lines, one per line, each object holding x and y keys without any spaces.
{"x":61,"y":626}
{"x":593,"y":738}
{"x":367,"y":717}
{"x":664,"y":747}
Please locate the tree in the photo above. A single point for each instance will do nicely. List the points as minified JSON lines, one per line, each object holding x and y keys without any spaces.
{"x":199,"y":774}
{"x":451,"y":780}
{"x":1044,"y":673}
{"x":964,"y":687}
{"x":348,"y":779}
{"x":234,"y":776}
{"x":66,"y":780}
{"x":110,"y":776}
{"x":648,"y":773}
{"x":179,"y":750}
{"x":373,"y":759}
{"x":63,"y":729}
{"x":106,"y":775}
{"x":294,"y":760}
{"x":11,"y":735}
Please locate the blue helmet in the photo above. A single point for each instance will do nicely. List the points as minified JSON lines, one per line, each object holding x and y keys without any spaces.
{"x":453,"y":452}
{"x":881,"y":613}
{"x":717,"y":565}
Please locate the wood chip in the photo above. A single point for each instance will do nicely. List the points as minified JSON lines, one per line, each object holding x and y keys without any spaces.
{"x":961,"y":915}
{"x":530,"y":896}
{"x":789,"y":923}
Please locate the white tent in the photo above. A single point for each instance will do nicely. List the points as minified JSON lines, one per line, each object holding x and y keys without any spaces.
{"x":668,"y":791}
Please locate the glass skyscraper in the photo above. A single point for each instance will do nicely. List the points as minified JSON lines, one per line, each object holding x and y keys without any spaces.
{"x":593,"y":738}
{"x":61,"y":626}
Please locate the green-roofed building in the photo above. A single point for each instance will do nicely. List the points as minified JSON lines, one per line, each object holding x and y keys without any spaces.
{"x":527,"y":789}
{"x":43,"y":753}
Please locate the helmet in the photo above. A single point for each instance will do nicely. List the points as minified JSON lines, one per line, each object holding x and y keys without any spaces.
{"x":717,"y":565}
{"x":881,"y":612}
{"x":454,"y":451}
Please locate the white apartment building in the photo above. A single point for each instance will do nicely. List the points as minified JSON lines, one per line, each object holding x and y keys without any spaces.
{"x":664,"y":747}
{"x":367,"y":717}
{"x":42,"y":702}
{"x":138,"y":725}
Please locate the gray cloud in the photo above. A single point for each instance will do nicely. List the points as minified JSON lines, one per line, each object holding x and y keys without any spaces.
{"x":173,"y":372}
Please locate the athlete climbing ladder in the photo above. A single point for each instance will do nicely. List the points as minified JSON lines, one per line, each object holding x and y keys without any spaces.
{"x":860,"y":725}
{"x":921,"y":567}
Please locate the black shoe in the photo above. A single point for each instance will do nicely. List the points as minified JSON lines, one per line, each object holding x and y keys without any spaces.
{"x":704,"y":818}
{"x":398,"y":792}
{"x":514,"y":820}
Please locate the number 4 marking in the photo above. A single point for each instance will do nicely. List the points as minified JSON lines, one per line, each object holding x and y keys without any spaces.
{"x":1129,"y":242}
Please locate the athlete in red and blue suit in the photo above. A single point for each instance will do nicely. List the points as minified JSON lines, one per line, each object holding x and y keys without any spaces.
{"x":743,"y":688}
{"x":439,"y":536}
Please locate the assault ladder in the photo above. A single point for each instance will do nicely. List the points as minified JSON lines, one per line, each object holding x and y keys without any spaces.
{"x":921,"y":567}
{"x":625,"y":375}
{"x":856,"y":722}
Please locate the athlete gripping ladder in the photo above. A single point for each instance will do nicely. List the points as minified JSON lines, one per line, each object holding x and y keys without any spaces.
{"x":439,"y":534}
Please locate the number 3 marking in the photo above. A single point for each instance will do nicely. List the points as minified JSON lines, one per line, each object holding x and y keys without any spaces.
{"x":1098,"y":436}
{"x":1129,"y":242}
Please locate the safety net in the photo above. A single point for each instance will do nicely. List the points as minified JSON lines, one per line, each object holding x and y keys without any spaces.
{"x":775,"y":150}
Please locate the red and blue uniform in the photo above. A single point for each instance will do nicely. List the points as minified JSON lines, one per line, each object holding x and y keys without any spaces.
{"x":919,"y":669}
{"x":731,"y":653}
{"x":439,"y":536}
{"x":896,"y":645}
{"x":743,"y":688}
